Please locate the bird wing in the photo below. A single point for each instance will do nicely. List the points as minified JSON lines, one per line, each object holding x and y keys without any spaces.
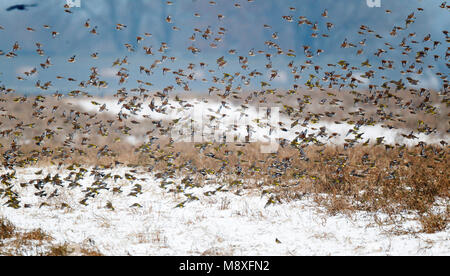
{"x":21,"y":6}
{"x":12,"y":8}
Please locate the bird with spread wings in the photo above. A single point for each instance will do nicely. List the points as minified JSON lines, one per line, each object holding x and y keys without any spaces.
{"x":21,"y":7}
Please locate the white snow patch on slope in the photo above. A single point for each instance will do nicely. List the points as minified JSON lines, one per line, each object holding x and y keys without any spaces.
{"x":231,"y":115}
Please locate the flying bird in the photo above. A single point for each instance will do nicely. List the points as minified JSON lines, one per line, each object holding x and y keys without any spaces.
{"x":21,"y":7}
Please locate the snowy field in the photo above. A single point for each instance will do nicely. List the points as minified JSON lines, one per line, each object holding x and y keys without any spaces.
{"x":118,"y":220}
{"x":219,"y":224}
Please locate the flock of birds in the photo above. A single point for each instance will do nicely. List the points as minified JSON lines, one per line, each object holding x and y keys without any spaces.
{"x":79,"y":130}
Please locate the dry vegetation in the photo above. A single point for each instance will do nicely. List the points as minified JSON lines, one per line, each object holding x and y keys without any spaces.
{"x":394,"y":179}
{"x":15,"y":242}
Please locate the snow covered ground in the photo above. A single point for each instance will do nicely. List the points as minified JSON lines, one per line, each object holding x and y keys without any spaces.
{"x":224,"y":223}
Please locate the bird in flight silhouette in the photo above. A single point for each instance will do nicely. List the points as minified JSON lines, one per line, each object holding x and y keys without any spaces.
{"x":21,"y":7}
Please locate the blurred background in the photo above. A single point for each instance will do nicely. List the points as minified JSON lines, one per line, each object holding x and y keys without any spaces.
{"x":239,"y":27}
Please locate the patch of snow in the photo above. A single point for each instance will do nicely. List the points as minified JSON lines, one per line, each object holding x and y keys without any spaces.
{"x":212,"y":121}
{"x":224,"y":223}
